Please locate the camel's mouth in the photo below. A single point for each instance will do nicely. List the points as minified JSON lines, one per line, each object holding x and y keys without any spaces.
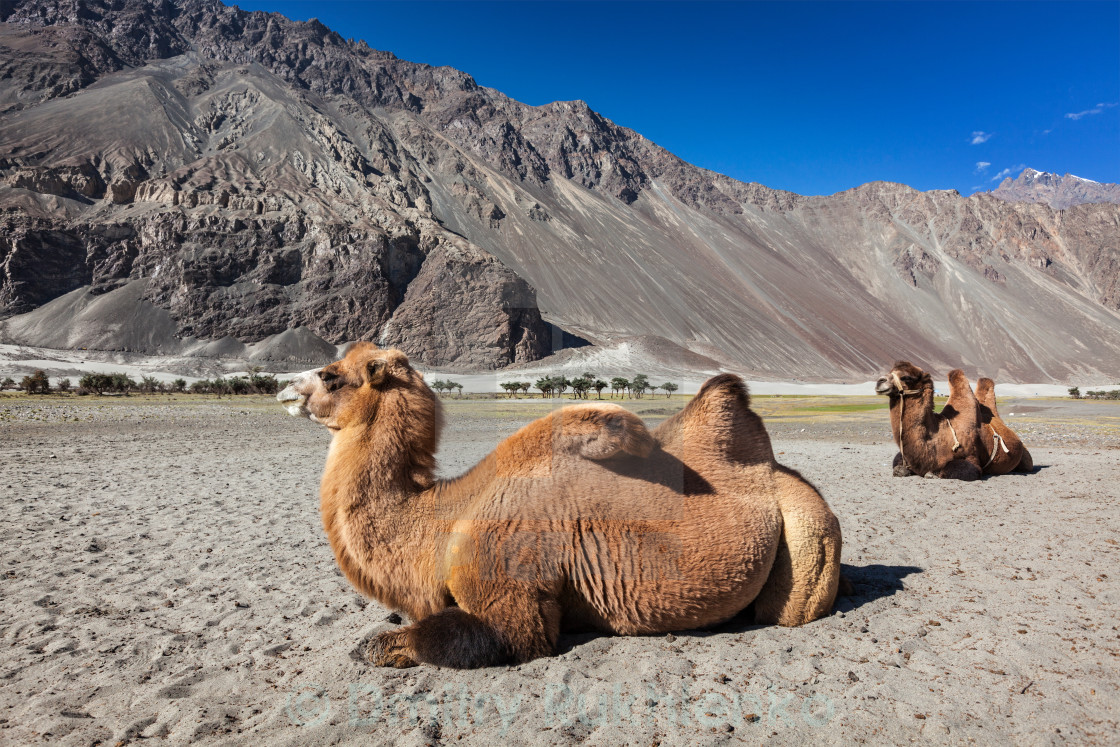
{"x":294,"y":402}
{"x":883,"y":386}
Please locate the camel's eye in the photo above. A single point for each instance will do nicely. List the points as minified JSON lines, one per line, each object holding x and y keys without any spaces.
{"x":332,"y":380}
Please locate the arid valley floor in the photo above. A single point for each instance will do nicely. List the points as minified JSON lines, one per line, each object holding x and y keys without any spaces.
{"x":164,"y":574}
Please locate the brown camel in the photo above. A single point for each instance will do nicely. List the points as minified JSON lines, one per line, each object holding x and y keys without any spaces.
{"x":580,"y":520}
{"x":1002,"y":451}
{"x":945,"y":444}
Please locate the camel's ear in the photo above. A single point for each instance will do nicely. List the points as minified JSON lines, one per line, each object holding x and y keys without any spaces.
{"x":375,"y":371}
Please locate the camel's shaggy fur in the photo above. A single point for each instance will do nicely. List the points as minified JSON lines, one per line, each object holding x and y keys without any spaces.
{"x":945,"y":444}
{"x":580,"y":520}
{"x":1015,"y":457}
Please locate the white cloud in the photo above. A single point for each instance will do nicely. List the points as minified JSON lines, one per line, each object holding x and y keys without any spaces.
{"x":979,"y":136}
{"x":1008,"y":172}
{"x":1095,"y":110}
{"x":982,"y":166}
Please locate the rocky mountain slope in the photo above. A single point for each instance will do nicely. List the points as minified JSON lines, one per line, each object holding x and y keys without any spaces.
{"x":241,"y":175}
{"x":1059,"y":192}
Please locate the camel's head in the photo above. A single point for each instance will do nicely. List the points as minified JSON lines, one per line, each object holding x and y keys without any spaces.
{"x":902,"y":377}
{"x":347,"y":392}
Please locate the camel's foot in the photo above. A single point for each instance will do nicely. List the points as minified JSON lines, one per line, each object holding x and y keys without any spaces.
{"x":899,"y":467}
{"x":450,"y":638}
{"x":960,"y":469}
{"x":390,"y":649}
{"x":1026,"y":462}
{"x":845,"y":589}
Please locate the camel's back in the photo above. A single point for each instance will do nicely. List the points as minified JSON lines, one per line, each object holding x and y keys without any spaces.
{"x":640,"y":544}
{"x":637,"y":545}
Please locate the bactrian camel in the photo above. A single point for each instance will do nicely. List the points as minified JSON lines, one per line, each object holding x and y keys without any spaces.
{"x":582,"y":520}
{"x":944,"y":444}
{"x":1002,"y":451}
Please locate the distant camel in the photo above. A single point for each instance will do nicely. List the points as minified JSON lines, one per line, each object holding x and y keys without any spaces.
{"x":1002,"y":450}
{"x":580,"y":520}
{"x":944,"y":444}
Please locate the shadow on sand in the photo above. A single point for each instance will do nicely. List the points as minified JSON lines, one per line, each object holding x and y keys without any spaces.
{"x":871,"y":582}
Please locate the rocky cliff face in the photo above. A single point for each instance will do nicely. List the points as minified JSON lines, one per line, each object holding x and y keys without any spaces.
{"x":1058,"y":192}
{"x":262,"y":175}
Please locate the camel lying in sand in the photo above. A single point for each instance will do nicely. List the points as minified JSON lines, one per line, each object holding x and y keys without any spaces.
{"x":583,"y":519}
{"x":945,"y":444}
{"x":1002,"y":450}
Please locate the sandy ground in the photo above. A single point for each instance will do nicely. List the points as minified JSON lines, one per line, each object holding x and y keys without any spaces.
{"x":164,"y":574}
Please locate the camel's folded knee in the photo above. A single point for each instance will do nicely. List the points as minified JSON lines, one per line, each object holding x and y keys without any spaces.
{"x":805,"y":576}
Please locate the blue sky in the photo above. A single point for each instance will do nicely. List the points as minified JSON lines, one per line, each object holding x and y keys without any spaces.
{"x":805,"y":96}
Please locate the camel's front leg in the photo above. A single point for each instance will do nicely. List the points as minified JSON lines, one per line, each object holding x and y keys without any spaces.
{"x":458,"y":639}
{"x":450,"y":638}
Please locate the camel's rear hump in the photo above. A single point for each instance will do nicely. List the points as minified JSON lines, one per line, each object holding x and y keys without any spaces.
{"x":986,"y":394}
{"x":717,"y":425}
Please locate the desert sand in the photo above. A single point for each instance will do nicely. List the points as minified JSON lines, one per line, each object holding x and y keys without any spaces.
{"x":164,"y":574}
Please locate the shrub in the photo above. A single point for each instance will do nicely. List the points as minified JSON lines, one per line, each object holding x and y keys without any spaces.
{"x":263,"y":383}
{"x":122,"y":383}
{"x":179,"y":385}
{"x":96,"y":383}
{"x":64,"y":385}
{"x":36,"y":383}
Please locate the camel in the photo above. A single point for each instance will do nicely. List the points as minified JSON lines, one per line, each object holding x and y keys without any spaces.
{"x":1002,"y":451}
{"x":945,"y":444}
{"x":581,"y":520}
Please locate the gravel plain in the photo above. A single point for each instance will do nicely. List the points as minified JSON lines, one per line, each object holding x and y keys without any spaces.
{"x":164,"y":575}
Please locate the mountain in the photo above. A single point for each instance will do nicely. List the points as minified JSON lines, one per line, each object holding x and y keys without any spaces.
{"x":241,"y":175}
{"x":1059,"y":192}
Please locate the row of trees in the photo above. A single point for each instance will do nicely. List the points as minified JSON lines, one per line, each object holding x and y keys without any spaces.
{"x":442,"y":386}
{"x":254,"y":383}
{"x":581,"y":386}
{"x":1075,"y":392}
{"x":119,"y":383}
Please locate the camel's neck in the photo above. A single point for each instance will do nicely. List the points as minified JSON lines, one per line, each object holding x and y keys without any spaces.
{"x":912,"y":415}
{"x":374,"y":500}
